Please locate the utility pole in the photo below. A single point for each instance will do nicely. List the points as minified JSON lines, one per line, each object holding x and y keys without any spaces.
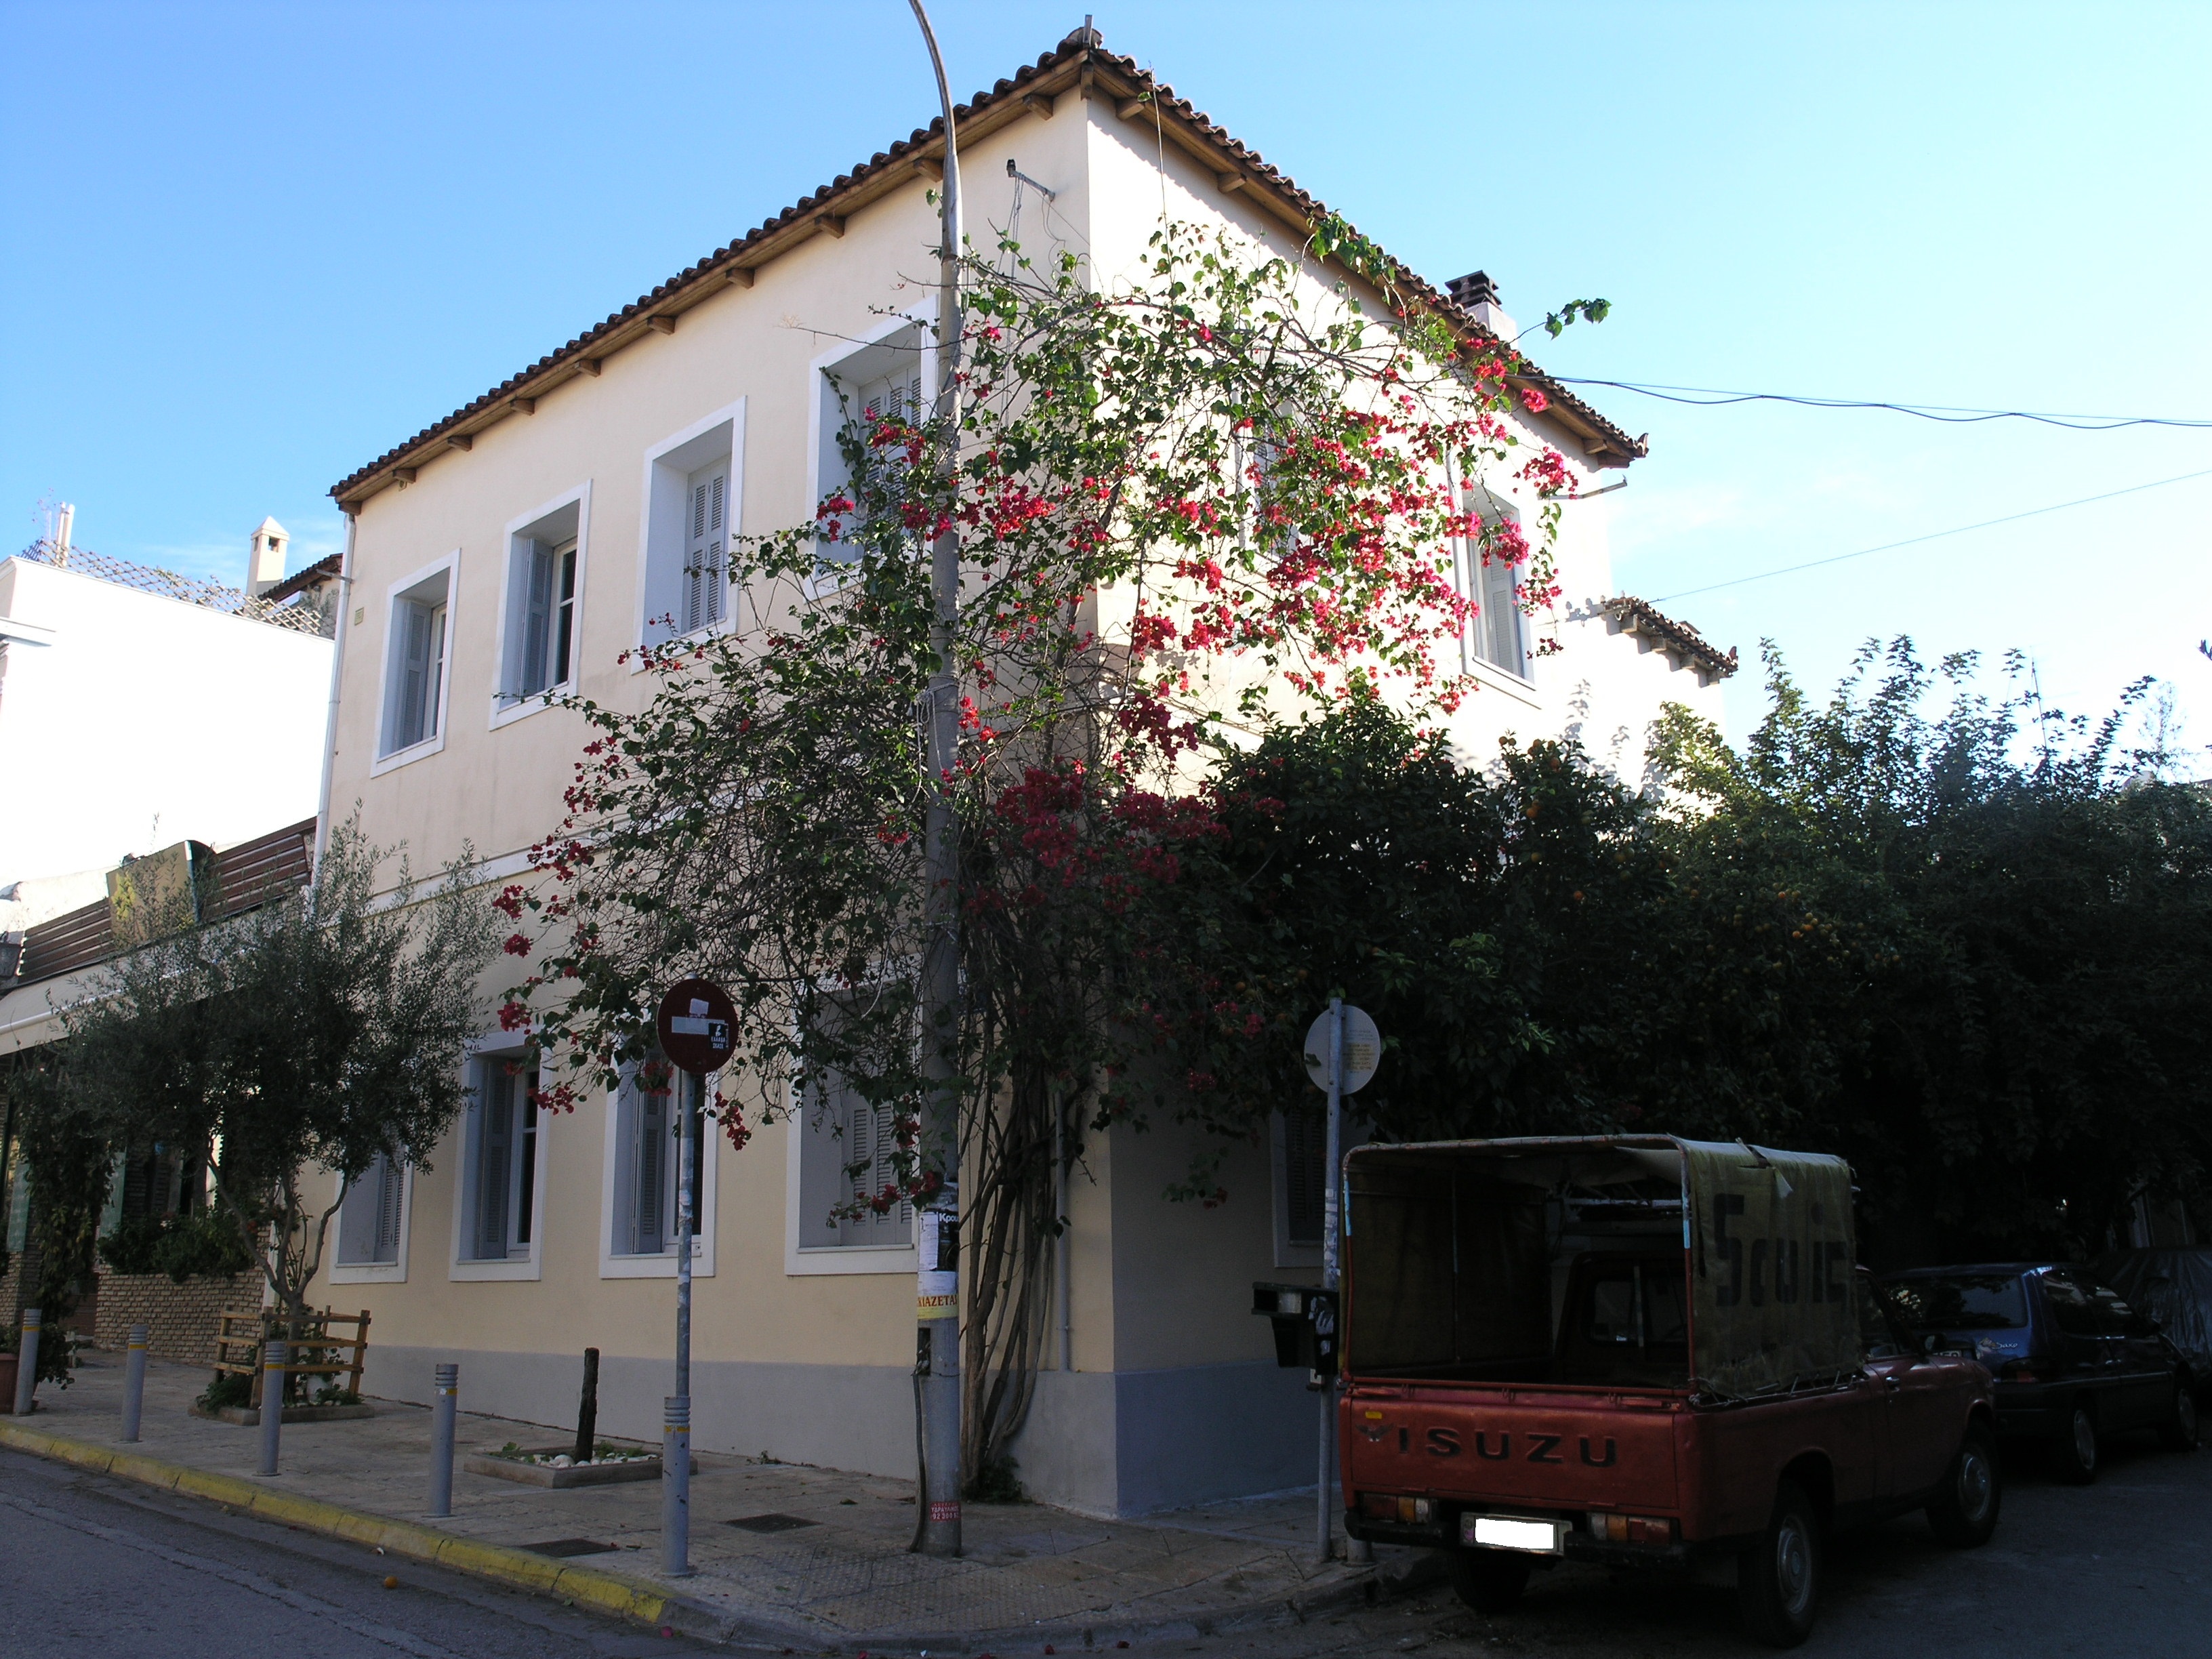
{"x":937,"y":1285}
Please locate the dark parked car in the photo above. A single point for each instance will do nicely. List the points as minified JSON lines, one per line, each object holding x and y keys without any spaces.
{"x":2073,"y":1362}
{"x":2174,"y":1286}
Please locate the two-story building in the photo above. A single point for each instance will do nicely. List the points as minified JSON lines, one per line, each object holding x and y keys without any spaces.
{"x":524,"y":542}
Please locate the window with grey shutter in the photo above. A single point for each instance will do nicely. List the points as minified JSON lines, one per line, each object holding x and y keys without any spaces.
{"x":704,"y":572}
{"x":391,"y":1188}
{"x":368,"y":1221}
{"x":537,"y":619}
{"x":415,"y":675}
{"x":495,"y":1161}
{"x":649,"y":1189}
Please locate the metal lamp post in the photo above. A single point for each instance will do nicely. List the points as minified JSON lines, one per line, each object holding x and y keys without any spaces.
{"x":937,"y":1289}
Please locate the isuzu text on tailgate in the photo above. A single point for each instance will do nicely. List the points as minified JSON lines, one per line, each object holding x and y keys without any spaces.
{"x":1639,"y":1352}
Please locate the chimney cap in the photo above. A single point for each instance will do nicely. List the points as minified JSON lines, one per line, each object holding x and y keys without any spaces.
{"x":1473,"y":289}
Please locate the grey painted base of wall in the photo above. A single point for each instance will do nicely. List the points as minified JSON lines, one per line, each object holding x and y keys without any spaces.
{"x":1131,"y":1443}
{"x":1101,"y":1442}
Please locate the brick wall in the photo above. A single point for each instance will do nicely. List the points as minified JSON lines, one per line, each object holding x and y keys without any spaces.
{"x":180,"y":1319}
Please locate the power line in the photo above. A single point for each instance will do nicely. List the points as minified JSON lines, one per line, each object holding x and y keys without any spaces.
{"x":1953,"y":414}
{"x":1934,"y":535}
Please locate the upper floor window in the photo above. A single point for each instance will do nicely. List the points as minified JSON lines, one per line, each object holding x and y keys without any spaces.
{"x":538,"y":630}
{"x":418,"y":654}
{"x":695,"y":494}
{"x":857,"y":388}
{"x":849,"y":1156}
{"x":1498,"y":634}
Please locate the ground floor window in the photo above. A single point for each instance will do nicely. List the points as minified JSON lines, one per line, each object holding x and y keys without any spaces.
{"x":647,"y":1157}
{"x":500,"y":1196}
{"x":369,"y":1218}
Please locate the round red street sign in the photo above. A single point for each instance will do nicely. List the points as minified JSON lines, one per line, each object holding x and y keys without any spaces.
{"x":696,"y":1025}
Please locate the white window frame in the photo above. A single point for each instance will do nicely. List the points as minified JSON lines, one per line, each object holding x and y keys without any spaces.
{"x":508,"y":707}
{"x":492,"y":1051}
{"x":614,"y":1264}
{"x":664,"y":502}
{"x":377,"y":1272}
{"x":807,"y":1127}
{"x":387,"y":687}
{"x":1486,"y":503}
{"x":820,"y":440}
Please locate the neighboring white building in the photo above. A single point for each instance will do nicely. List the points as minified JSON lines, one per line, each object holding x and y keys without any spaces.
{"x":140,"y":708}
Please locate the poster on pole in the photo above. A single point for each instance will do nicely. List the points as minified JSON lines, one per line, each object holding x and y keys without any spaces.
{"x":1363,"y":1050}
{"x":696,"y":1026}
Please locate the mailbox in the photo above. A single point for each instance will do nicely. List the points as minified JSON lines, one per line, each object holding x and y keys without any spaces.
{"x":1304,"y":1321}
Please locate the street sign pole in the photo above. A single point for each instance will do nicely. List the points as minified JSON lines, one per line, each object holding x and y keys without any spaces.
{"x":1324,"y":1522}
{"x":1342,"y":1050}
{"x":675,"y":1428}
{"x":695,"y":1026}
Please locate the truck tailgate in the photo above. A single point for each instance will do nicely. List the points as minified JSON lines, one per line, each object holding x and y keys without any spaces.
{"x":1526,"y":1448}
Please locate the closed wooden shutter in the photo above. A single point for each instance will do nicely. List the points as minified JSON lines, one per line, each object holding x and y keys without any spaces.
{"x":413,"y":673}
{"x":704,"y":571}
{"x":536,"y":617}
{"x":391,"y":1188}
{"x":648,"y":1229}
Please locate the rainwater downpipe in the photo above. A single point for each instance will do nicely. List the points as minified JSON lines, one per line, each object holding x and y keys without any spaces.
{"x":337,"y":671}
{"x":1063,"y":1254}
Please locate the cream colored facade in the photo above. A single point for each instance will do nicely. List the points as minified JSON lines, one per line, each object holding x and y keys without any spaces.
{"x":804,"y":1353}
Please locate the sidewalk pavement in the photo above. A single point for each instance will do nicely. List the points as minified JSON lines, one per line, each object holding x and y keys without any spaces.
{"x":833,"y":1575}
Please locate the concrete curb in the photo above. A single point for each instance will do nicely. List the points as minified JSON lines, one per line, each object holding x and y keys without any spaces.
{"x":609,"y":1592}
{"x":645,"y":1603}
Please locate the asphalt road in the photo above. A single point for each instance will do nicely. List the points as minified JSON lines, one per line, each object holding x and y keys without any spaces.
{"x":91,"y":1568}
{"x":2116,"y":1570}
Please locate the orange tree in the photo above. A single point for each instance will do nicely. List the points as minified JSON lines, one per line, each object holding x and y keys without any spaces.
{"x":1186,"y":506}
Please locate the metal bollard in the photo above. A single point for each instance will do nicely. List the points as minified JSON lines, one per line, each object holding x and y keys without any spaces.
{"x":134,"y":1382}
{"x":272,"y":1401}
{"x":676,"y":1486}
{"x":449,"y":1385}
{"x":27,"y":1359}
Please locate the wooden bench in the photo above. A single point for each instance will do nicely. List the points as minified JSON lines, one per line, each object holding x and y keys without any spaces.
{"x":310,"y":1348}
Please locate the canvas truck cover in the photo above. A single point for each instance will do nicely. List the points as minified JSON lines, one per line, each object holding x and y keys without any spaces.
{"x":1453,"y":1252}
{"x":1772,"y":1258}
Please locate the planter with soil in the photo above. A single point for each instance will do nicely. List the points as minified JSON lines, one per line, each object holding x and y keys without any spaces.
{"x":556,"y":1467}
{"x":250,"y":1416}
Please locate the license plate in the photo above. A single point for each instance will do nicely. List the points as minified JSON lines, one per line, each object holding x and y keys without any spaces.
{"x":1510,"y":1532}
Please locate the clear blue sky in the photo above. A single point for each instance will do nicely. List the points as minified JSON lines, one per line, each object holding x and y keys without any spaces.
{"x":251,"y":247}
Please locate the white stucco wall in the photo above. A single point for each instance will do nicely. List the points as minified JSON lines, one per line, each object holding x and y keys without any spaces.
{"x":136,"y":708}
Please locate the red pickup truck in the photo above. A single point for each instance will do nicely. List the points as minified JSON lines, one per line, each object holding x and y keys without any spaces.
{"x":1636,"y":1352}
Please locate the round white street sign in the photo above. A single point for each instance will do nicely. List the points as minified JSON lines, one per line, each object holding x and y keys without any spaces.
{"x":1363,"y":1050}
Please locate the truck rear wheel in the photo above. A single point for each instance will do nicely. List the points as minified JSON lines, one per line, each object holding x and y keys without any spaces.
{"x":1778,"y":1586}
{"x":2074,"y":1448}
{"x":1489,"y":1581}
{"x":1964,"y":1511}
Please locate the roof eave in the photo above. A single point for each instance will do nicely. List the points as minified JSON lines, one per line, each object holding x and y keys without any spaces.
{"x":1078,"y":64}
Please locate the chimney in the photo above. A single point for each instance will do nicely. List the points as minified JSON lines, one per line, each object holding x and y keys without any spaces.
{"x":65,"y":526}
{"x":265,"y":564}
{"x":1479,"y":295}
